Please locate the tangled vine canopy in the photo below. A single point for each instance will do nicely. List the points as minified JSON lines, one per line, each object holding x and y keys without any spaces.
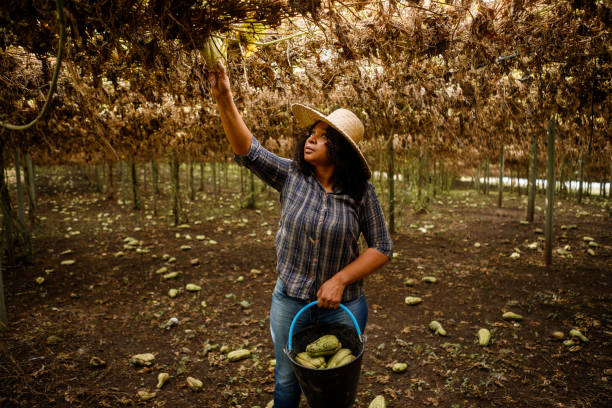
{"x":456,"y":77}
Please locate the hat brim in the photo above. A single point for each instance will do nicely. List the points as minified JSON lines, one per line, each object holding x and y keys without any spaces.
{"x":307,"y":116}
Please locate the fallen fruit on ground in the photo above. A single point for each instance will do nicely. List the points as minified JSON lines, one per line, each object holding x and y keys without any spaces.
{"x":577,"y":333}
{"x":558,"y":335}
{"x":162,"y":378}
{"x":484,"y":336}
{"x":378,"y":402}
{"x":194,"y":384}
{"x":512,"y":316}
{"x":192,"y":287}
{"x":412,"y":300}
{"x":145,"y":395}
{"x":238,"y":355}
{"x":437,"y":328}
{"x":145,"y":359}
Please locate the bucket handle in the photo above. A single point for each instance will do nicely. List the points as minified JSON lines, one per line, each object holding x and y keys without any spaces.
{"x":297,"y":315}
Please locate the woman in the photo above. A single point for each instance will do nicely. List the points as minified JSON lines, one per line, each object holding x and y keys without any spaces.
{"x":327,"y":202}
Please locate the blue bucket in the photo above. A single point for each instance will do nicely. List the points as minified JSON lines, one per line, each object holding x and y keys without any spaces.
{"x":328,"y":387}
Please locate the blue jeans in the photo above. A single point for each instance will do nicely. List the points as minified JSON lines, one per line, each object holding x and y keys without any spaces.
{"x":287,"y":391}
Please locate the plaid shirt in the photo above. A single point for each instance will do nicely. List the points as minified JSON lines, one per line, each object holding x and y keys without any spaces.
{"x":318,"y":232}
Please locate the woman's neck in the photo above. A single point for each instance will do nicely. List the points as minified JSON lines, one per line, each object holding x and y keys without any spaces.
{"x":325,"y":176}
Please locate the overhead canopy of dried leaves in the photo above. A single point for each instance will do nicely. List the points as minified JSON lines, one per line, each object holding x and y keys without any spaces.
{"x":458,"y":78}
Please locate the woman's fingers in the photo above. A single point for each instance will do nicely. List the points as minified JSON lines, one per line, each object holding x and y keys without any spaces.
{"x":329,"y":296}
{"x":220,"y":67}
{"x":328,"y":304}
{"x":218,"y":79}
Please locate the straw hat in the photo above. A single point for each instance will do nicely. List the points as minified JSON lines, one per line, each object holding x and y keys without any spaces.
{"x":343,"y":120}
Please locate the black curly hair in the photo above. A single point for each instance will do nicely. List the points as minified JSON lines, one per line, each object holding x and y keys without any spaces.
{"x":350,"y":174}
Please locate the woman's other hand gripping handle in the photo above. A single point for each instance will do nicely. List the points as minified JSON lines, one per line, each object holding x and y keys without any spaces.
{"x":235,"y":129}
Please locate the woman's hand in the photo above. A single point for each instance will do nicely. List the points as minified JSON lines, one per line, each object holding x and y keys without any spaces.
{"x":330,"y":293}
{"x":219,"y":81}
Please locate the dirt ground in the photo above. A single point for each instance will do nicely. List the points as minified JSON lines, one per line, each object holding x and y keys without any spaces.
{"x":71,"y":336}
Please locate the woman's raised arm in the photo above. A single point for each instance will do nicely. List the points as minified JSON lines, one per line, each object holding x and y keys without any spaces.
{"x":236,"y":130}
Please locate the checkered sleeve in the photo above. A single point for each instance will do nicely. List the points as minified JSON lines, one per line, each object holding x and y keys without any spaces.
{"x":269,"y":167}
{"x":372,"y":223}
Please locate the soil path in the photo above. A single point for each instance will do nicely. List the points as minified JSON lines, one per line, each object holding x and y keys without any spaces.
{"x":113,"y":302}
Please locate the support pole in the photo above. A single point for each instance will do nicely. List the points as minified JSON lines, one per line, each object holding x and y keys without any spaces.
{"x":501,"y":176}
{"x":486,"y":187}
{"x":110,"y":192}
{"x":550,"y":191}
{"x":175,"y":190}
{"x":191,"y":183}
{"x":213,"y":165}
{"x":20,"y":210}
{"x":154,"y":184}
{"x":532,"y":178}
{"x":135,"y":192}
{"x":3,"y":314}
{"x":580,"y":181}
{"x":390,"y":178}
{"x":31,"y":185}
{"x":610,"y":185}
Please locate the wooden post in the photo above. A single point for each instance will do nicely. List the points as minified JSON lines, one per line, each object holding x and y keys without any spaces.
{"x":20,"y":209}
{"x":562,"y":177}
{"x":419,"y":176}
{"x":14,"y":229}
{"x":588,"y":185}
{"x":427,"y":173}
{"x":226,"y":173}
{"x":30,"y":186}
{"x":110,"y":191}
{"x":532,"y":178}
{"x":135,"y":192}
{"x":550,"y":191}
{"x":3,"y":314}
{"x":486,"y":188}
{"x":435,"y":177}
{"x":518,"y":179}
{"x":191,"y":183}
{"x":501,"y":176}
{"x":154,"y":184}
{"x":144,"y":178}
{"x":214,"y":177}
{"x":8,"y":215}
{"x":174,"y":167}
{"x":610,"y":185}
{"x":98,"y":178}
{"x":250,"y":203}
{"x":581,"y":176}
{"x":390,"y":178}
{"x":121,"y":183}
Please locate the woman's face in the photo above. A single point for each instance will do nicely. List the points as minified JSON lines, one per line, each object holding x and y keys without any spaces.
{"x":315,"y":148}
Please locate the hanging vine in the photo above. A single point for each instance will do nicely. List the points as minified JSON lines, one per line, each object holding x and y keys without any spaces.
{"x":53,"y":85}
